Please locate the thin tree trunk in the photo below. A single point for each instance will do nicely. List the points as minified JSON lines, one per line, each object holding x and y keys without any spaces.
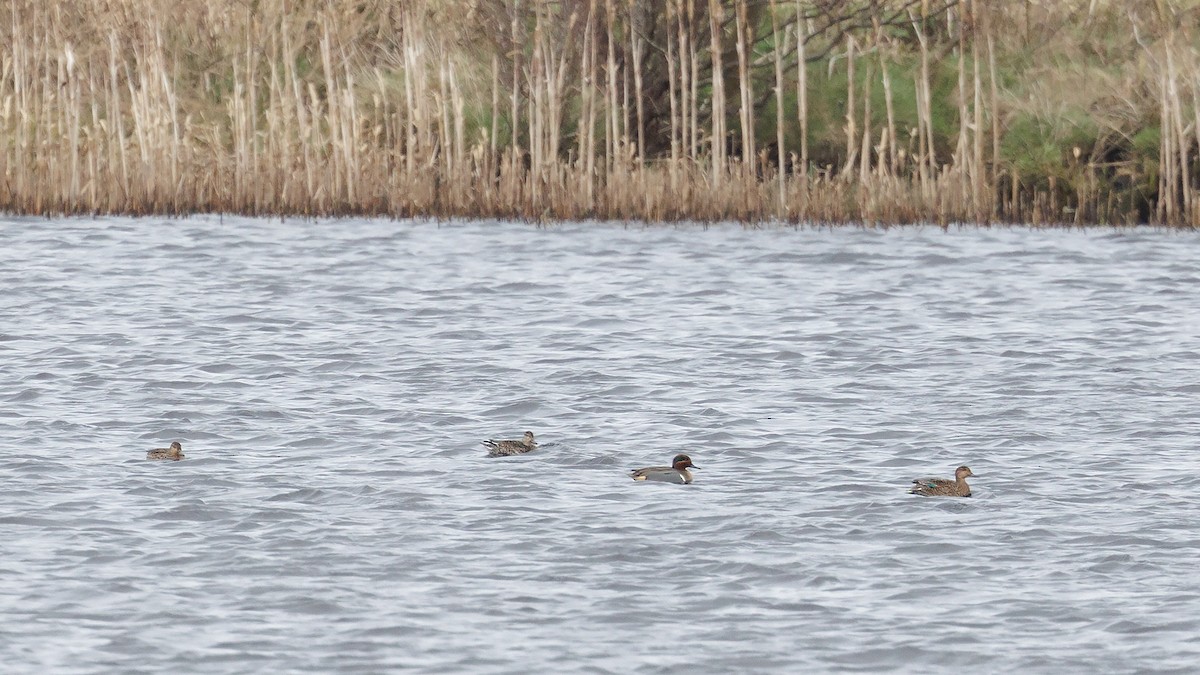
{"x":851,"y":126}
{"x":802,"y":88}
{"x":715,"y":21}
{"x":635,"y":30}
{"x":745,"y":87}
{"x":779,"y":156}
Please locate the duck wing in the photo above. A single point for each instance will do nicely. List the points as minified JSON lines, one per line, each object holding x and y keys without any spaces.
{"x":663,"y":474}
{"x":933,"y":482}
{"x":643,"y":474}
{"x":939,"y":487}
{"x":506,"y":448}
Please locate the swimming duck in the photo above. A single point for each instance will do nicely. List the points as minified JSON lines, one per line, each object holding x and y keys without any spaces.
{"x":506,"y":448}
{"x":944,"y":487}
{"x":676,"y":473}
{"x":174,"y":452}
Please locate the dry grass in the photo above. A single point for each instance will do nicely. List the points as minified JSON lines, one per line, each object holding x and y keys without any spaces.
{"x":598,"y":109}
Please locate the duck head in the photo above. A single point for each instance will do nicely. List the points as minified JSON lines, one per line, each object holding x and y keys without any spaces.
{"x":682,"y":462}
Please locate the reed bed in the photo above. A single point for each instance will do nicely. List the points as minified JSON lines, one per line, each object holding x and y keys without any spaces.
{"x":653,"y":110}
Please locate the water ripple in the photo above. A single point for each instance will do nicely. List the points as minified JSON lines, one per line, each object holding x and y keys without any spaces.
{"x":332,"y":381}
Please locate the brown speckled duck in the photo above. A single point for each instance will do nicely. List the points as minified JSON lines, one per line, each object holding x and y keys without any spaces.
{"x":676,"y":473}
{"x":174,"y":452}
{"x":507,"y":448}
{"x":944,"y":487}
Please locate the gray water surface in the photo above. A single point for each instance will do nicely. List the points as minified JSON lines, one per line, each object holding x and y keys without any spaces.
{"x":331,"y":383}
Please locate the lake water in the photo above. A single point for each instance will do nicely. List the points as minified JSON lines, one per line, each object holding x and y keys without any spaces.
{"x":331,"y":383}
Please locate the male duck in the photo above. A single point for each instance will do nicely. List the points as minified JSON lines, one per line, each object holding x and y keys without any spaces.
{"x":174,"y":452}
{"x":944,"y":487}
{"x":676,"y":473}
{"x":506,"y":448}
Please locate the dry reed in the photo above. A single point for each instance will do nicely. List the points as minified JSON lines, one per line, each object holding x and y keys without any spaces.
{"x":616,"y":109}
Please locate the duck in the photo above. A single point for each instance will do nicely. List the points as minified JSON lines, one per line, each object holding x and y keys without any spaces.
{"x":676,"y":473}
{"x":508,"y":448}
{"x":944,"y":487}
{"x":175,"y":452}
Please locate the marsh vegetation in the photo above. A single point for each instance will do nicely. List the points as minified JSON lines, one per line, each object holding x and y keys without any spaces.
{"x":888,"y":111}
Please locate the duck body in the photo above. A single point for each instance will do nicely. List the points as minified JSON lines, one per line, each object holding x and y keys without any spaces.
{"x":175,"y":452}
{"x":676,"y":473}
{"x":510,"y":447}
{"x":944,"y":487}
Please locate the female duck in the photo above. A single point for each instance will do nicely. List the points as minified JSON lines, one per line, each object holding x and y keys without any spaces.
{"x":944,"y":487}
{"x":506,"y":448}
{"x":676,"y":473}
{"x":174,"y":452}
